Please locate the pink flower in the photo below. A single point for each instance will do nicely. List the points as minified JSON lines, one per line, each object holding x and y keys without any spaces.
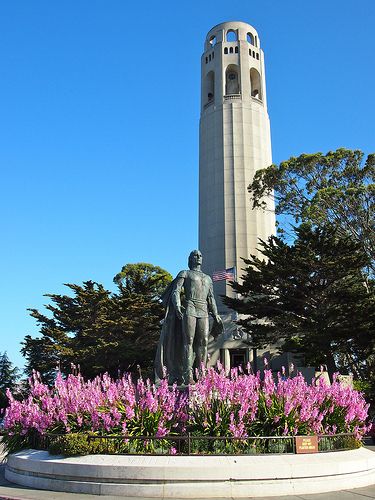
{"x":223,"y":404}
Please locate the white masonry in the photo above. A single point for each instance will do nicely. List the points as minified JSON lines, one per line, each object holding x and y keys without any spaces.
{"x":234,"y":142}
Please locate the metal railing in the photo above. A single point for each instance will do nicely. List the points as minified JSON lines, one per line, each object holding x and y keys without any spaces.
{"x":208,"y":104}
{"x":190,"y":444}
{"x":231,"y":97}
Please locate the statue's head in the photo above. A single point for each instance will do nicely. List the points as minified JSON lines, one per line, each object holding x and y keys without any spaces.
{"x":195,"y":259}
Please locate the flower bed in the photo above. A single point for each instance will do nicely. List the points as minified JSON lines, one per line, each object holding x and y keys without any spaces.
{"x":238,"y":406}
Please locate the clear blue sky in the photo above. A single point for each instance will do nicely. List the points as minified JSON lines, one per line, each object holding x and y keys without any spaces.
{"x":99,"y":110}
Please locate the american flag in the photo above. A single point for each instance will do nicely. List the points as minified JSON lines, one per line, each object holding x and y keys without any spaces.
{"x":226,"y":274}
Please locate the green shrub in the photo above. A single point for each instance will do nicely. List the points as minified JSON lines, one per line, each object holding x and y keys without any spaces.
{"x":279,"y":446}
{"x":81,"y":444}
{"x":331,"y":443}
{"x":70,"y":445}
{"x":74,"y":444}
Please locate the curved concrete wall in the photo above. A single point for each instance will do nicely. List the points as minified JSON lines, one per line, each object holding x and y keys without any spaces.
{"x":193,"y":476}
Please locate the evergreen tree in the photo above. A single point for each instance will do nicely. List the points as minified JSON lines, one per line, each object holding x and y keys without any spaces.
{"x":98,"y":330}
{"x":310,"y":297}
{"x":9,"y":376}
{"x":337,"y":189}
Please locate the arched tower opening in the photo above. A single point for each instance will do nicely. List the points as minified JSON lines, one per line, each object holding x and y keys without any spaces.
{"x":231,"y":36}
{"x":210,"y":87}
{"x":232,"y":81}
{"x":250,"y":38}
{"x":255,"y":84}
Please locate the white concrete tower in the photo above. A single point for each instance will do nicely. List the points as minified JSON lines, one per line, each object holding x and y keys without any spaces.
{"x":234,"y":142}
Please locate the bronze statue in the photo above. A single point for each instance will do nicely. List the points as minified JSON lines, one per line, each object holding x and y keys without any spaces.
{"x":184,"y":337}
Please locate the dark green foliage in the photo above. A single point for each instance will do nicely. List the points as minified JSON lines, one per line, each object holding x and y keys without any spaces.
{"x":74,"y":444}
{"x":311,"y":297}
{"x":336,"y":189}
{"x":42,"y":355}
{"x":70,"y":445}
{"x":98,"y":330}
{"x":9,"y":376}
{"x":85,"y":444}
{"x":18,"y":441}
{"x":143,"y":279}
{"x":331,"y":443}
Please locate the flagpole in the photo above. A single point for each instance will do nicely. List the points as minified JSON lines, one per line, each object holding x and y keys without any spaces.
{"x":235,"y":279}
{"x":236,"y":317}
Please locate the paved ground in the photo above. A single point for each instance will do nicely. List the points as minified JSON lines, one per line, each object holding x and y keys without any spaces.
{"x":10,"y":491}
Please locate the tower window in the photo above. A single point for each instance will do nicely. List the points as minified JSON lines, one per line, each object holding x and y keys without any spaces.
{"x":256,"y":41}
{"x":209,"y":57}
{"x":253,"y":54}
{"x":206,"y":60}
{"x":210,"y":87}
{"x":250,"y":38}
{"x":231,"y":50}
{"x":255,"y":84}
{"x":236,"y":50}
{"x":258,"y":57}
{"x":232,"y":85}
{"x":231,"y":36}
{"x":226,"y":50}
{"x":249,"y":52}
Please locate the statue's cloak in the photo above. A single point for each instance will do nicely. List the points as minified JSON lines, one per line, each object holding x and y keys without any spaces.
{"x":169,"y":354}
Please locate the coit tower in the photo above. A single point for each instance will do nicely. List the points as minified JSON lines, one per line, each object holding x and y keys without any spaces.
{"x":234,"y":143}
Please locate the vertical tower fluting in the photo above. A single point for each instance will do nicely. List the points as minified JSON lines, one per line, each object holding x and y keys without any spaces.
{"x":234,"y":142}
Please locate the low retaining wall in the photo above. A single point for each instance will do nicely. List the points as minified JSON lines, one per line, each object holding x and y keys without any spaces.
{"x":193,"y":476}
